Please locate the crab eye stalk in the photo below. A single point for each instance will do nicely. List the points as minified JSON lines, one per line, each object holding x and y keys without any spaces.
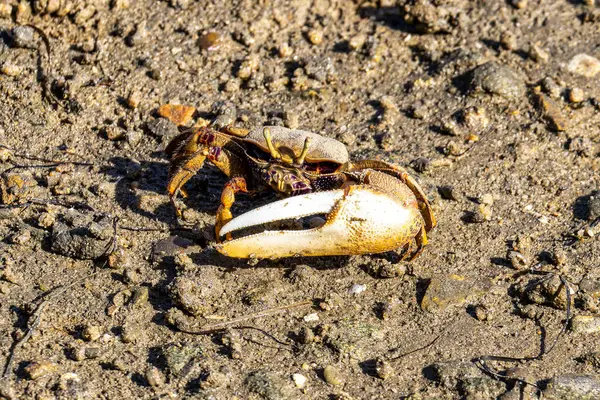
{"x":274,"y":153}
{"x":300,"y":159}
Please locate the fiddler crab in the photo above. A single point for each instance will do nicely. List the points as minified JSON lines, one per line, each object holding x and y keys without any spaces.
{"x":370,"y":206}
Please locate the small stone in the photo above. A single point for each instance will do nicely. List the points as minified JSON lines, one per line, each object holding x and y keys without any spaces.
{"x":444,"y":291}
{"x":139,"y":36}
{"x":519,"y":4}
{"x":9,"y":69}
{"x":495,"y":78}
{"x":306,"y":335}
{"x":333,"y":376}
{"x":448,"y":193}
{"x":576,"y":387}
{"x":299,"y":380}
{"x":119,"y":259}
{"x":5,"y":10}
{"x":84,"y":15}
{"x":285,"y":50}
{"x":384,"y":369}
{"x":91,"y":333}
{"x":37,"y":369}
{"x":486,"y":199}
{"x":154,"y":377}
{"x":315,"y":36}
{"x":70,"y":383}
{"x":162,"y":128}
{"x":131,"y":333}
{"x":140,"y":296}
{"x":23,"y":12}
{"x":357,"y":41}
{"x":233,"y":85}
{"x":311,"y":317}
{"x":537,"y":54}
{"x":133,"y":101}
{"x":585,"y":324}
{"x":119,"y":4}
{"x":546,"y":291}
{"x":508,"y":40}
{"x":357,"y":289}
{"x":576,"y":95}
{"x":215,"y":379}
{"x":481,"y":312}
{"x":114,"y":133}
{"x":210,"y":41}
{"x":517,"y":260}
{"x":23,"y":36}
{"x":551,"y":112}
{"x":291,"y":119}
{"x":551,"y":88}
{"x":176,"y":113}
{"x":585,"y":65}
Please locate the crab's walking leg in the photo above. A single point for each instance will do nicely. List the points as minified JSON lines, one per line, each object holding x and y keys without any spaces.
{"x":188,"y":152}
{"x":234,"y":186}
{"x":406,"y":178}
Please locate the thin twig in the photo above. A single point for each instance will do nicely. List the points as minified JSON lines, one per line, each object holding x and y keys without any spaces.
{"x":481,"y":361}
{"x":221,"y":326}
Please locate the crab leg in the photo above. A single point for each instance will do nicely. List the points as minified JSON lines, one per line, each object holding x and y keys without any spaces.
{"x":360,"y":219}
{"x":234,"y":186}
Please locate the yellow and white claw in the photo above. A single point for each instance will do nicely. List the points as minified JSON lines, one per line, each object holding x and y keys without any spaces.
{"x":359,"y":220}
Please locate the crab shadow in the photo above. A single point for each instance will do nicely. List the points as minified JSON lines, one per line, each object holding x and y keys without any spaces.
{"x":141,"y":188}
{"x":211,"y":256}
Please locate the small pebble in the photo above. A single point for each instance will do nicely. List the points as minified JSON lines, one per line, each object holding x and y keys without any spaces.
{"x":551,"y":88}
{"x":486,"y":199}
{"x":11,"y":70}
{"x":585,"y":324}
{"x":285,"y":50}
{"x":519,"y":4}
{"x":585,"y":65}
{"x":154,"y":377}
{"x":23,"y":12}
{"x":91,"y":333}
{"x":5,"y":10}
{"x":133,"y":101}
{"x":311,"y":317}
{"x":498,"y":79}
{"x":333,"y":376}
{"x":481,"y":313}
{"x":23,"y":37}
{"x":37,"y":369}
{"x":508,"y":40}
{"x":576,"y":95}
{"x":139,"y":36}
{"x":210,"y":41}
{"x":357,"y":289}
{"x":299,"y":380}
{"x":383,"y":369}
{"x":315,"y":36}
{"x":517,"y":260}
{"x":357,"y":41}
{"x":537,"y":54}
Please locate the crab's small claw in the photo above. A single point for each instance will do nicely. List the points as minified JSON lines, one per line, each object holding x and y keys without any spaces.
{"x":361,"y":219}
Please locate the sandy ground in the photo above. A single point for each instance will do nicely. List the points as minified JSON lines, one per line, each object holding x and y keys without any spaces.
{"x":493,"y":106}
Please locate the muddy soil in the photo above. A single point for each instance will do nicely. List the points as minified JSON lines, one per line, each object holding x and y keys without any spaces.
{"x":492,"y":105}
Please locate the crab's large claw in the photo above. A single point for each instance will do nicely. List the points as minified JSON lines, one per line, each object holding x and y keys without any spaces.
{"x":360,"y":219}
